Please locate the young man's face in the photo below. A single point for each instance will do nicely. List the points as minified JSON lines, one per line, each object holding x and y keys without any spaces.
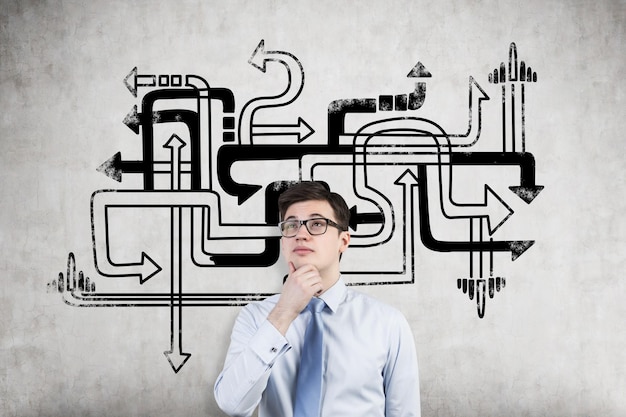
{"x":321,"y":251}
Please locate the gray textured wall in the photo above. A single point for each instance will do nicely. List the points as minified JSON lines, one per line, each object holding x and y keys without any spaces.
{"x":552,"y":343}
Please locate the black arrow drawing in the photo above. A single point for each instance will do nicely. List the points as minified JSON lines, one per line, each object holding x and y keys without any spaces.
{"x":517,"y":248}
{"x":417,"y":97}
{"x":134,"y":80}
{"x":300,"y":130}
{"x":295,"y":83}
{"x":175,"y":356}
{"x":527,"y":190}
{"x":357,"y":218}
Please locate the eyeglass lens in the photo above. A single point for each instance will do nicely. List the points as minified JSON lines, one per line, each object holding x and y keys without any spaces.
{"x":314,"y":227}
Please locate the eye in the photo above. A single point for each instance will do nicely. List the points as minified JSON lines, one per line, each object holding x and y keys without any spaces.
{"x":318,"y":223}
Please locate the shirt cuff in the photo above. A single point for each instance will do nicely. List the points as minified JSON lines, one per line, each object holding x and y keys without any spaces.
{"x":269,"y":343}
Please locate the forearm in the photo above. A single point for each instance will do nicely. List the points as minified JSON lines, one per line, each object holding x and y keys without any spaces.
{"x":238,"y":390}
{"x":247,"y":368}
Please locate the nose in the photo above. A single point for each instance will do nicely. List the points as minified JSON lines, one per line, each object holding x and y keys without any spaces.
{"x":303,"y":232}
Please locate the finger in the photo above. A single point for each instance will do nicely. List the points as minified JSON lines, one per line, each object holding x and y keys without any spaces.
{"x":292,"y":268}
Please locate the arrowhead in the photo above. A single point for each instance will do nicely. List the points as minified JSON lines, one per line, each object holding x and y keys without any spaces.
{"x":499,"y":211}
{"x":407,"y":178}
{"x":527,"y":194}
{"x":132,"y":119}
{"x":518,"y":247}
{"x":176,"y":360}
{"x":352,"y":223}
{"x":304,"y":130}
{"x":112,"y":167}
{"x":175,"y":142}
{"x":257,"y":59}
{"x":131,"y":87}
{"x":474,"y":83}
{"x":245,"y":191}
{"x":419,"y":71}
{"x":149,"y":268}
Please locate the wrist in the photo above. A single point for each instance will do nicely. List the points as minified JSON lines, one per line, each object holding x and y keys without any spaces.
{"x":281,"y":319}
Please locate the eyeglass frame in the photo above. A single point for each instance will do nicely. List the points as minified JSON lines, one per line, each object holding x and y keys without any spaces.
{"x":329,"y":222}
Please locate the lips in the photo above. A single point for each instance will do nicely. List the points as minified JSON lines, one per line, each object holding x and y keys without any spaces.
{"x":302,"y":250}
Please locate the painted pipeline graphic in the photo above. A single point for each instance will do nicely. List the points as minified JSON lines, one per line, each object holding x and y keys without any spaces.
{"x":204,"y":193}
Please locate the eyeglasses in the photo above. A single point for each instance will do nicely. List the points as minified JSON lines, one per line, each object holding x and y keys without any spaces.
{"x":316,"y":226}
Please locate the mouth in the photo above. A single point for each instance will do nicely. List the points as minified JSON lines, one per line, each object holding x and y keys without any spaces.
{"x":302,"y":250}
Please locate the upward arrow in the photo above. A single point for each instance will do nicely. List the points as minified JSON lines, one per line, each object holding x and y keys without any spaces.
{"x":175,"y":144}
{"x":419,"y":71}
{"x":175,"y":356}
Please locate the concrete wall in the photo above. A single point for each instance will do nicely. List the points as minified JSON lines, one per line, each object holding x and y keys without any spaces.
{"x":549,"y":342}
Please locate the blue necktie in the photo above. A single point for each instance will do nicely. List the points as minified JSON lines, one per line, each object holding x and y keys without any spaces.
{"x":309,"y":385}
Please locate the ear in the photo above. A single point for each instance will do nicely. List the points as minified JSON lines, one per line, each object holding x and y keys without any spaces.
{"x":344,"y":241}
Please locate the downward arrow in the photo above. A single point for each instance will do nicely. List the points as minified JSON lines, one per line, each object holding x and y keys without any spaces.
{"x":176,"y":357}
{"x":527,"y":193}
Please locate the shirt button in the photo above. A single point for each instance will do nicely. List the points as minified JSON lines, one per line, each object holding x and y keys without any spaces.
{"x":274,"y":350}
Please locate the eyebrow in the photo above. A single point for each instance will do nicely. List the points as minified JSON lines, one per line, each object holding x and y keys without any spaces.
{"x":311,"y":216}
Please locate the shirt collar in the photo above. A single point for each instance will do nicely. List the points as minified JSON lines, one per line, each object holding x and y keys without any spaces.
{"x":335,"y":294}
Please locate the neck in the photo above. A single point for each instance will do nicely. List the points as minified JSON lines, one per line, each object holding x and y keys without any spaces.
{"x":330,"y":279}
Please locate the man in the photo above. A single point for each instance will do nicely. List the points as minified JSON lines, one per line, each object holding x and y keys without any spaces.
{"x":368,"y":364}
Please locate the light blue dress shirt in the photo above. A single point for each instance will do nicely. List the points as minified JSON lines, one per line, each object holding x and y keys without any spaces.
{"x":369,"y":361}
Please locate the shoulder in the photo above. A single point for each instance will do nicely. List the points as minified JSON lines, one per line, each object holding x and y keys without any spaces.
{"x":358,"y":297}
{"x":381,"y":323}
{"x":371,"y":306}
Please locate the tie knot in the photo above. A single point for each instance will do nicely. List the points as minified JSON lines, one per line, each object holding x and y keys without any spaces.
{"x":316,"y":305}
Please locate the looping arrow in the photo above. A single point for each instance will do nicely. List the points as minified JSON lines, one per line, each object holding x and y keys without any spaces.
{"x":517,"y":248}
{"x":295,"y":84}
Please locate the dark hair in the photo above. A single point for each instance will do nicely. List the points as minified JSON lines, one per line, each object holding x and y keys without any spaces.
{"x":314,"y":190}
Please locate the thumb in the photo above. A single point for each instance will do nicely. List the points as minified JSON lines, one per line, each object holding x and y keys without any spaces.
{"x":292,"y":268}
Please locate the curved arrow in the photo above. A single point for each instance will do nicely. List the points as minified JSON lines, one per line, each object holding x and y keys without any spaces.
{"x":476,"y":96}
{"x":295,"y":84}
{"x":115,"y":166}
{"x":408,"y":182}
{"x":492,"y":207}
{"x":527,"y":190}
{"x":145,"y":268}
{"x":78,"y":291}
{"x":270,"y":254}
{"x":205,"y":201}
{"x":517,"y":248}
{"x":190,"y":118}
{"x":227,"y":155}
